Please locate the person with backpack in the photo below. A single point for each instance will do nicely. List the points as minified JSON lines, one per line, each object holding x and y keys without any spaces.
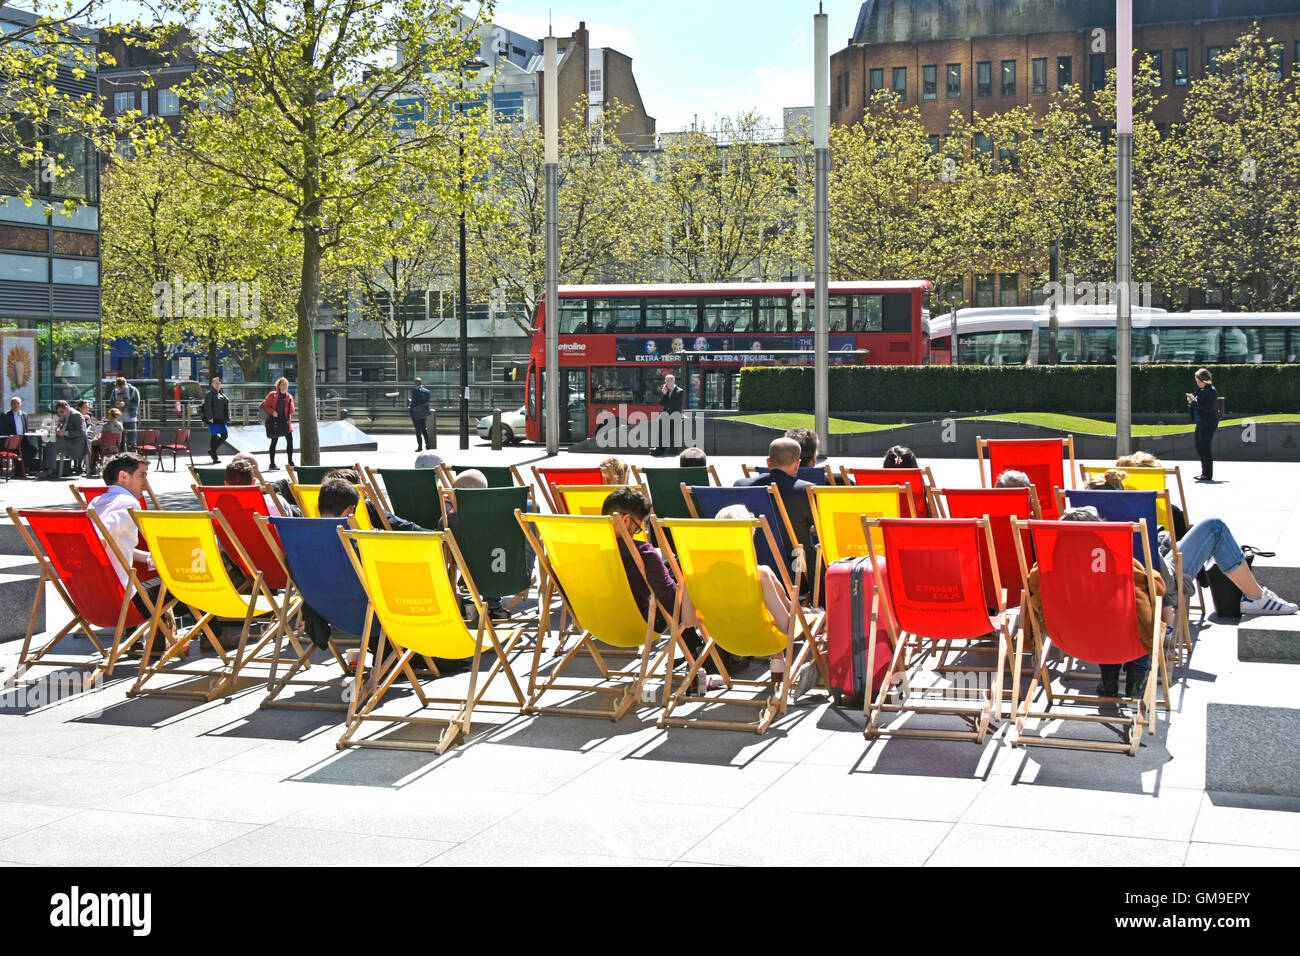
{"x":216,"y":415}
{"x":278,"y":406}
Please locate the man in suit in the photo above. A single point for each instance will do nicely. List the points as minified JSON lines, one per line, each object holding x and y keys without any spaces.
{"x":69,"y":440}
{"x":671,"y":399}
{"x":783,"y":472}
{"x":15,"y":422}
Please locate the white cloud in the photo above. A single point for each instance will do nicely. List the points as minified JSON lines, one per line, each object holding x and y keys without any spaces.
{"x":602,"y":34}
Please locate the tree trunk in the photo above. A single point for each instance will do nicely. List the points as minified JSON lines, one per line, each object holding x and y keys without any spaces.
{"x":160,"y":357}
{"x":308,"y":307}
{"x":214,"y":370}
{"x":403,"y":360}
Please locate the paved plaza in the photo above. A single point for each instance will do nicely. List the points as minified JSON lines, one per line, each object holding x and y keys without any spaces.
{"x":102,"y":779}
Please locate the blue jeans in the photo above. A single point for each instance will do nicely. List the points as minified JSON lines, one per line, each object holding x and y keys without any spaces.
{"x":1210,"y":538}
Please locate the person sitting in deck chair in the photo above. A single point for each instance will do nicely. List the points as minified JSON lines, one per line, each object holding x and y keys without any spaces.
{"x":783,"y":472}
{"x":394,"y":523}
{"x":473,"y":479}
{"x":241,"y":472}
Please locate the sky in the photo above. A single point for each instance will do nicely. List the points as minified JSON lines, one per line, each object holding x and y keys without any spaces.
{"x":704,"y":58}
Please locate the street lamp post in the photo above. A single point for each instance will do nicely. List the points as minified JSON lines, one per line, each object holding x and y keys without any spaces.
{"x":473,"y":63}
{"x":821,"y":228}
{"x":1124,"y":225}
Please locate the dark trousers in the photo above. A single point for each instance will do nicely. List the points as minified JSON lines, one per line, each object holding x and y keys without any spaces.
{"x":421,"y":433}
{"x":288,"y":444}
{"x":215,"y":442}
{"x":1205,"y":447}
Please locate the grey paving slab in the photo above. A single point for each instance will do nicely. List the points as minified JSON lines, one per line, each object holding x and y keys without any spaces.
{"x":1169,"y":815}
{"x":970,"y":844}
{"x":108,"y":838}
{"x":756,"y":837}
{"x":1249,"y":820}
{"x":427,"y":811}
{"x":1223,"y":856}
{"x":607,"y":826}
{"x":479,"y":854}
{"x":59,"y":781}
{"x":16,"y":818}
{"x":213,"y":794}
{"x":291,"y":846}
{"x":832,"y":790}
{"x":686,"y":784}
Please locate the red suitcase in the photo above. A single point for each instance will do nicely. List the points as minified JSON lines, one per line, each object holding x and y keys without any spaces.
{"x":850,"y":600}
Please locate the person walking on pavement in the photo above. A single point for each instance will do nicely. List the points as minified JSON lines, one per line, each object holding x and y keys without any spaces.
{"x":1204,"y":405}
{"x":418,"y":406}
{"x":216,"y":415}
{"x":126,"y":399}
{"x":278,"y":406}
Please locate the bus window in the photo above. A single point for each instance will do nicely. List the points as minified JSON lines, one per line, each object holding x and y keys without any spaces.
{"x":617,"y":386}
{"x":802,"y":310}
{"x":1193,"y":346}
{"x":994,"y":348}
{"x":1272,"y":344}
{"x":615,"y":315}
{"x":773,"y":314}
{"x":867,"y":313}
{"x":897,"y":312}
{"x":1238,"y":346}
{"x":573,"y":316}
{"x":1098,"y":347}
{"x":837,"y":317}
{"x":727,"y":314}
{"x":671,"y":314}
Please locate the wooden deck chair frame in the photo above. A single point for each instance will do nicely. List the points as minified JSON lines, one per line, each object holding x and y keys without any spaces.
{"x":1144,"y":714}
{"x":777,"y":701}
{"x":534,"y":621}
{"x":986,"y":480}
{"x":84,"y":502}
{"x":544,"y":486}
{"x":904,"y":493}
{"x":276,"y":684}
{"x":122,"y":640}
{"x":1182,"y":644}
{"x":901,"y":670}
{"x":390,"y":664}
{"x":786,"y":527}
{"x":626,"y":693}
{"x":227,"y":676}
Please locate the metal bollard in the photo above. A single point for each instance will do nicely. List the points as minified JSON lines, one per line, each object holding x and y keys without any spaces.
{"x":496,"y":429}
{"x":433,"y":428}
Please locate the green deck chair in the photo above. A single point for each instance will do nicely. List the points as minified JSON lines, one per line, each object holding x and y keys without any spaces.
{"x":498,"y":476}
{"x":310,"y":474}
{"x":491,"y":541}
{"x":413,"y":494}
{"x":664,"y":486}
{"x":208,"y":475}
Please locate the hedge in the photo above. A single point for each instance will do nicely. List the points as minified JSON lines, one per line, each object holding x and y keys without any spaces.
{"x":1066,"y":389}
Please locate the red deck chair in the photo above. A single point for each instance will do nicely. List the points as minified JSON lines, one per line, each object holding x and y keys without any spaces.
{"x":150,"y":443}
{"x":74,"y":551}
{"x":180,"y":442}
{"x":1042,"y":459}
{"x":935,"y":594}
{"x":919,"y":479}
{"x":548,"y":477}
{"x":85,"y":494}
{"x":1087,"y":607}
{"x":1000,"y":505}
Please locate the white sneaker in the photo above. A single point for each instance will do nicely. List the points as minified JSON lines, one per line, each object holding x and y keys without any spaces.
{"x":1267,"y":603}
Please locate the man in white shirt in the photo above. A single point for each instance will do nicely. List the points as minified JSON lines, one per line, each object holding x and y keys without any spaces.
{"x":127,"y":475}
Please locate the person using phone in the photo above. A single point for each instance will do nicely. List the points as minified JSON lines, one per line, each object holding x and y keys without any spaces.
{"x":1204,"y":406}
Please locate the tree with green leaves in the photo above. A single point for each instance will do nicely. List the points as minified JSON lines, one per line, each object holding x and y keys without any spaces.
{"x":298,"y":107}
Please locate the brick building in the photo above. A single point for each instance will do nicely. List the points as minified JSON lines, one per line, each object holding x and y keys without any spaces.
{"x":985,"y":56}
{"x":602,"y":74}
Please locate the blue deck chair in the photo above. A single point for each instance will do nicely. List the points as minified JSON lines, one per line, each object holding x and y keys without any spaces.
{"x":706,"y":501}
{"x":314,"y":557}
{"x":813,"y":474}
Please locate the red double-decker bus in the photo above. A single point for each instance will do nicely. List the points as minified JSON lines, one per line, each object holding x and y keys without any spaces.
{"x":617,"y":342}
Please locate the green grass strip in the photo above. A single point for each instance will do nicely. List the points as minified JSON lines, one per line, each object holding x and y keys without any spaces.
{"x":1067,"y":423}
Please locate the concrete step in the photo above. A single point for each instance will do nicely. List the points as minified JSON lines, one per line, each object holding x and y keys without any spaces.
{"x":23,"y":564}
{"x":1269,"y":639}
{"x":17,"y":594}
{"x":1283,"y":579}
{"x":1251,"y":719}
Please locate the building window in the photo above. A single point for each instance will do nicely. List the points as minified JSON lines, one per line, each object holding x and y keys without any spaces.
{"x":954,"y":81}
{"x":169,"y":104}
{"x":900,"y":82}
{"x":593,"y":81}
{"x":983,"y":145}
{"x":841,"y":91}
{"x":1277,"y":59}
{"x":1097,"y":72}
{"x":123,"y":102}
{"x":1157,"y":60}
{"x":1064,"y":71}
{"x":1212,"y":54}
{"x":76,"y":243}
{"x":984,"y":292}
{"x":1295,"y":58}
{"x":1009,"y":290}
{"x":877,"y":80}
{"x":984,"y":78}
{"x":1039,"y":65}
{"x":930,"y":82}
{"x":1181,"y":70}
{"x":1162,"y":130}
{"x":74,"y":272}
{"x":936,"y":143}
{"x":508,"y":106}
{"x":1008,"y":77}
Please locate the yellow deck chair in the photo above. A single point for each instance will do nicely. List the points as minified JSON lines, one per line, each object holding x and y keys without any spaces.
{"x":308,"y":498}
{"x":837,"y":515}
{"x":717,"y":561}
{"x":407,"y":579}
{"x":581,"y":555}
{"x":186,"y":555}
{"x":585,"y":500}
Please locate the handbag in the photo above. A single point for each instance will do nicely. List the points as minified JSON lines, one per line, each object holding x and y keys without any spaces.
{"x":1226,"y":595}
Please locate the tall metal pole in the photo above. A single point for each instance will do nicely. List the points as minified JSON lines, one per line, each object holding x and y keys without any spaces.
{"x":464,"y":311}
{"x":821,"y":226}
{"x":1124,"y":225}
{"x":551,"y":122}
